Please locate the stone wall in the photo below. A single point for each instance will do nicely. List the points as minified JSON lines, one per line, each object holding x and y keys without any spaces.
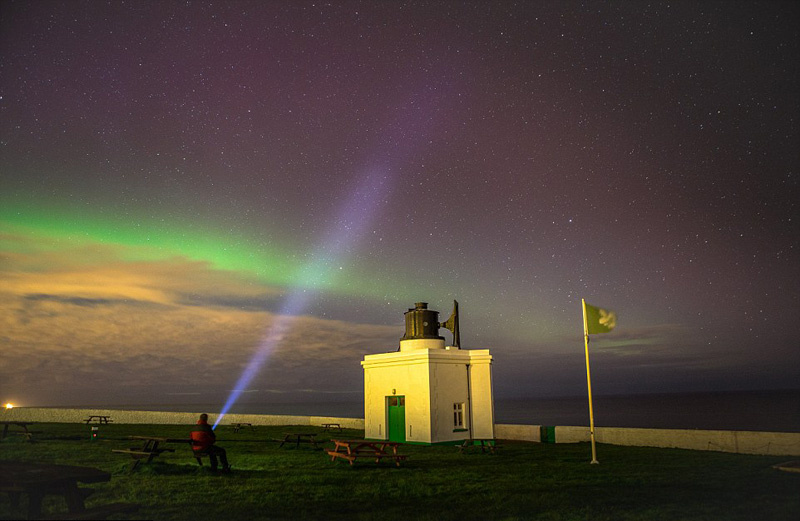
{"x":740,"y":442}
{"x":517,"y":432}
{"x":166,"y":418}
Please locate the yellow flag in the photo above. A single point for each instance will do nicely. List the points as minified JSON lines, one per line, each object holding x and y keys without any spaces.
{"x":597,"y":320}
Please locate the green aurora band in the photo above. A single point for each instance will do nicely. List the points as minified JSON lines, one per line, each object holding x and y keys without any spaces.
{"x":61,"y":228}
{"x":151,"y":239}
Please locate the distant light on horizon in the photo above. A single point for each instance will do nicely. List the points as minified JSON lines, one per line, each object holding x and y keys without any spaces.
{"x":9,"y":405}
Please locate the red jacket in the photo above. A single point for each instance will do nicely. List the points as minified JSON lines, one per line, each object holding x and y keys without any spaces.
{"x":203,"y":436}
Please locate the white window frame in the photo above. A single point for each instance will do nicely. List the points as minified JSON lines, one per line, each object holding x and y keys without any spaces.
{"x":458,"y":415}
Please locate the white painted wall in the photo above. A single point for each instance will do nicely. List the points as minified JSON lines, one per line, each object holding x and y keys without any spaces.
{"x":738,"y":442}
{"x":432,"y":380}
{"x":518,"y":432}
{"x":482,"y":394}
{"x":57,"y":415}
{"x":742,"y":442}
{"x":448,"y":387}
{"x":397,"y":374}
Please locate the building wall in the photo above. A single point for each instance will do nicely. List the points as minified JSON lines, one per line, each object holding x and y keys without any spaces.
{"x":448,"y":387}
{"x":432,"y":380}
{"x":482,"y":395}
{"x":397,"y":374}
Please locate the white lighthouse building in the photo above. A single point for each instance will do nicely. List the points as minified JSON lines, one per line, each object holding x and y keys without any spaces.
{"x":427,"y":392}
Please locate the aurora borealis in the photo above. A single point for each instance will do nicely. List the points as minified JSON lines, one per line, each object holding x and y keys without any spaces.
{"x":173,"y":174}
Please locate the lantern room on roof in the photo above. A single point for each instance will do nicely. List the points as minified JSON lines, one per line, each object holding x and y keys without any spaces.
{"x":427,"y":392}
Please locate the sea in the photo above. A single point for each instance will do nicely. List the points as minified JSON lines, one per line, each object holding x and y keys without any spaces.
{"x":770,"y":411}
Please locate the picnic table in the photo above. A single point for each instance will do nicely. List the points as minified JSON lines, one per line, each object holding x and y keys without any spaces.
{"x":299,"y":437}
{"x":22,"y":425}
{"x":150,"y":449}
{"x":99,"y":418}
{"x":486,"y":445}
{"x":237,"y":426}
{"x":351,"y":450}
{"x":331,"y":426}
{"x":37,"y":480}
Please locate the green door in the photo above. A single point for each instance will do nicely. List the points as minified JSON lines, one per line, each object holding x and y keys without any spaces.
{"x":396,"y":406}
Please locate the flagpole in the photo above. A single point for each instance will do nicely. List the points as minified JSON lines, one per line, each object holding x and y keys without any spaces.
{"x":589,"y":381}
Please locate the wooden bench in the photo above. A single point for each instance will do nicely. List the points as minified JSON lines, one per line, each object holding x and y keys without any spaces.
{"x":331,"y":426}
{"x":76,"y":495}
{"x":376,"y":450}
{"x":139,"y":454}
{"x":199,"y":455}
{"x":371,"y":456}
{"x":299,"y":437}
{"x":99,"y":419}
{"x":28,"y":434}
{"x":149,"y":449}
{"x":99,"y":512}
{"x":237,"y":426}
{"x":486,"y":445}
{"x":38,"y":480}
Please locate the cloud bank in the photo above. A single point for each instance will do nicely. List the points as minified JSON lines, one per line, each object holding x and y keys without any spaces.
{"x":80,"y":323}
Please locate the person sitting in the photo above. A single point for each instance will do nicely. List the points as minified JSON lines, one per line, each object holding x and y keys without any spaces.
{"x":203,"y":439}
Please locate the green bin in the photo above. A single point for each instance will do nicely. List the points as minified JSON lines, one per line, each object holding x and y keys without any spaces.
{"x":548,"y":434}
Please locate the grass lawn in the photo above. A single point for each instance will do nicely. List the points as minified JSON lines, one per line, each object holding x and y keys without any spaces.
{"x":523,"y":481}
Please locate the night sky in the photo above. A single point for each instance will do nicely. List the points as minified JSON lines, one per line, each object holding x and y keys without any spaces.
{"x":184,"y":185}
